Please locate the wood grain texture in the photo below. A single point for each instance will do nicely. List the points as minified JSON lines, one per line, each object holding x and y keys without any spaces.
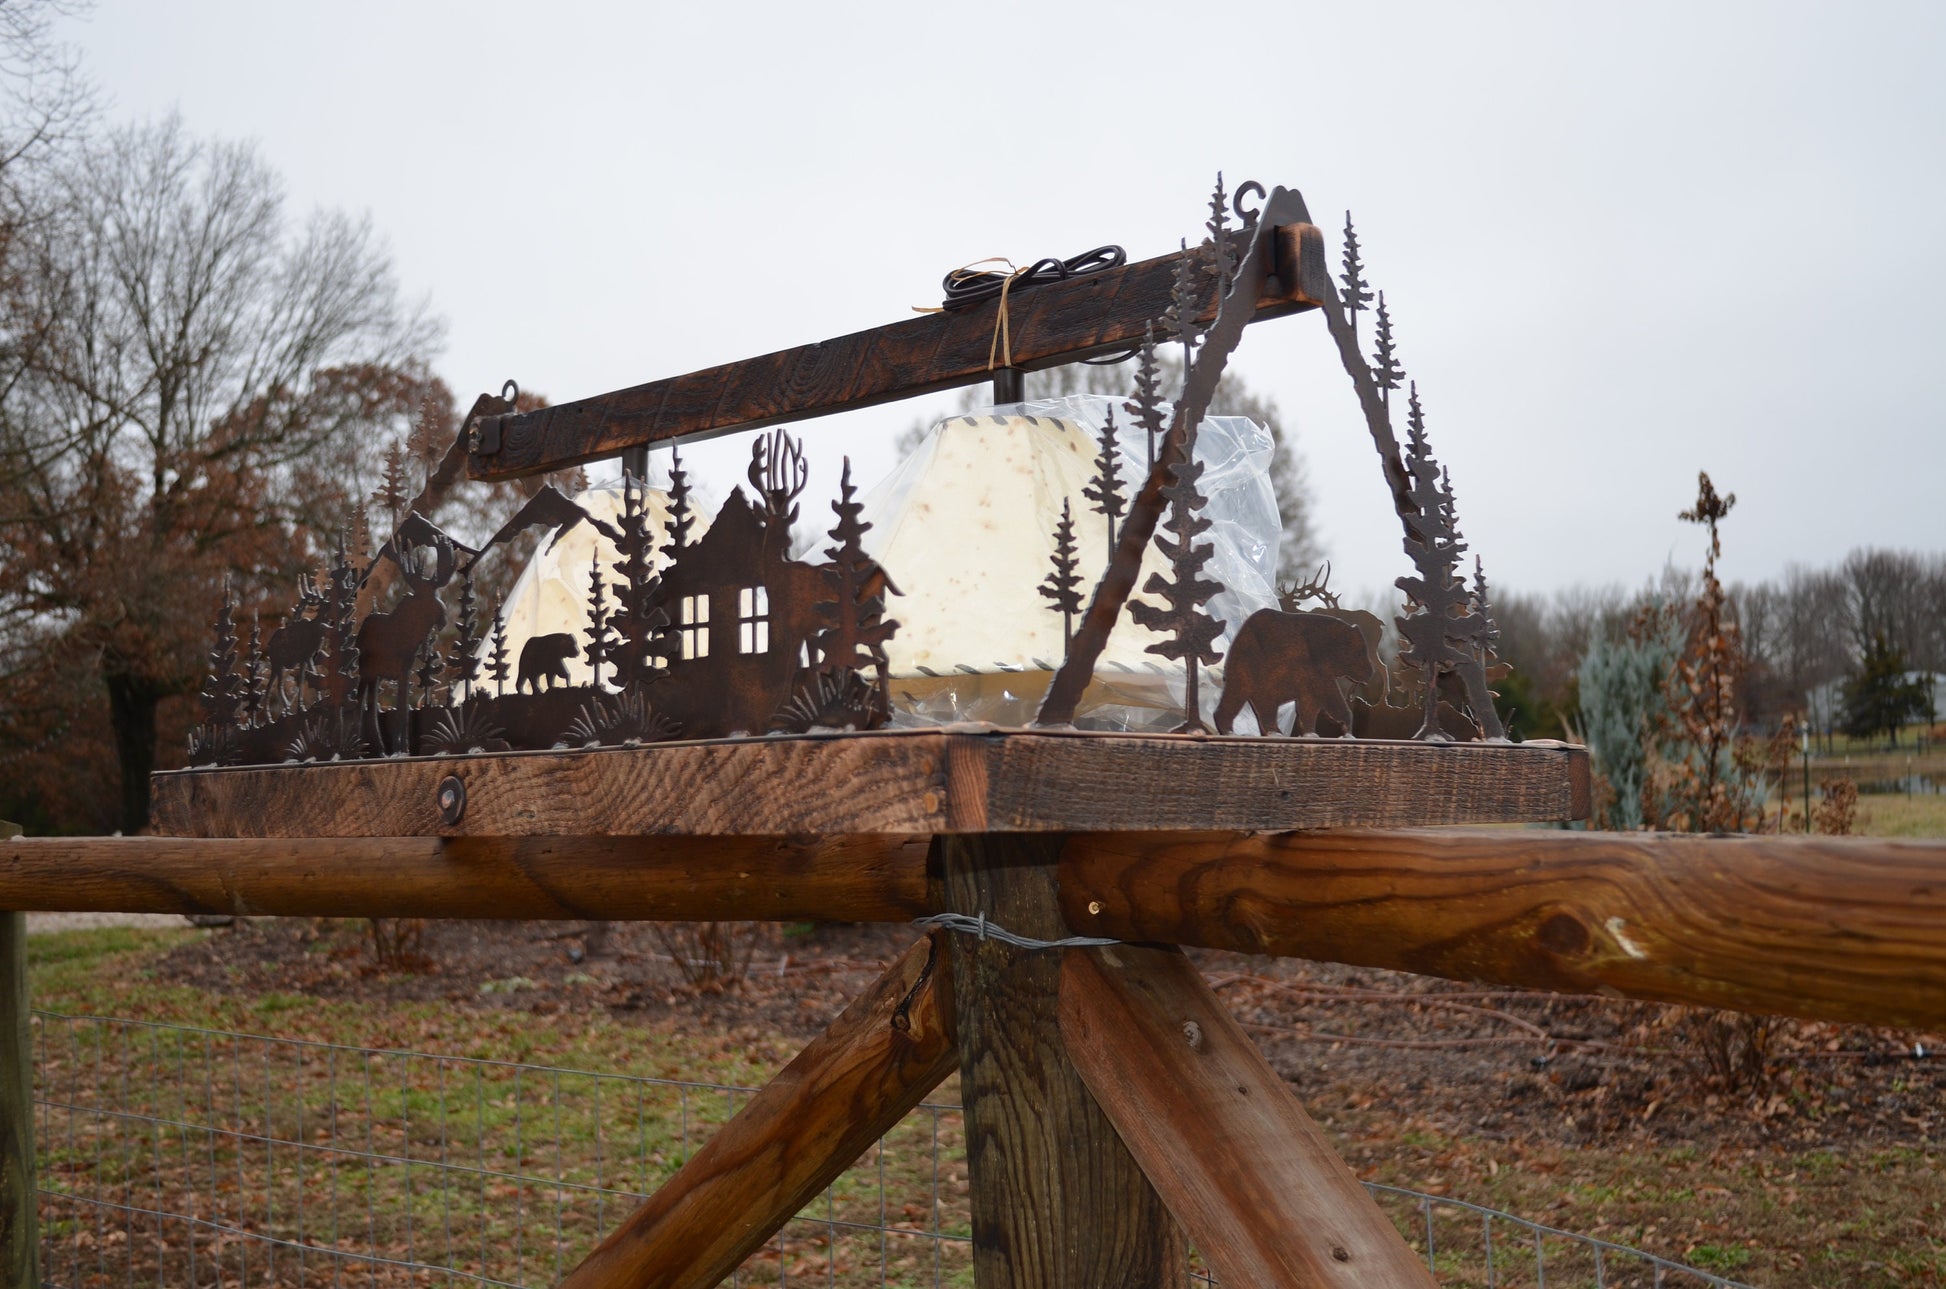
{"x":1845,"y":929}
{"x":846,"y":879}
{"x":844,"y":1091}
{"x":1057,"y":1199}
{"x":1055,"y":323}
{"x":1253,"y":1181}
{"x":881,"y":784}
{"x":19,"y":1201}
{"x":900,"y":782}
{"x":1089,"y":782}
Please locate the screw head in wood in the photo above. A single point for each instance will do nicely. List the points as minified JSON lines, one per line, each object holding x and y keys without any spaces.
{"x":1094,"y":907}
{"x":452,"y":800}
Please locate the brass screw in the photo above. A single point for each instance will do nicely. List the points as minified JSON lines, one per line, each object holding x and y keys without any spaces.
{"x":1094,"y":907}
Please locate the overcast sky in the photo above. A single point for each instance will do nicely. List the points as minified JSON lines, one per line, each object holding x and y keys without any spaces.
{"x":1622,"y":243}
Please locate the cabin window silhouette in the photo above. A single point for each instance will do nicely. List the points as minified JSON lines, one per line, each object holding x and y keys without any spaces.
{"x":753,"y":620}
{"x":692,"y":619}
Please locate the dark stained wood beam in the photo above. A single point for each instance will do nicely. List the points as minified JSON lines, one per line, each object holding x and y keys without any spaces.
{"x":19,"y":1198}
{"x":1057,"y":1199}
{"x":843,"y":1092}
{"x":1845,"y":929}
{"x":841,"y":879}
{"x":894,"y":782}
{"x":1051,"y":324}
{"x":1255,"y":1184}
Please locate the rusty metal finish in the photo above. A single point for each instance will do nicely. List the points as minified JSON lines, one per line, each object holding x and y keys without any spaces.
{"x":699,"y":639}
{"x":727,"y":634}
{"x":1447,"y":630}
{"x":1235,"y":309}
{"x":1190,"y":634}
{"x":1298,"y":658}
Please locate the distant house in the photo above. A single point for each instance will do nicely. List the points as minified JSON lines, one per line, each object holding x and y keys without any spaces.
{"x":1825,"y":704}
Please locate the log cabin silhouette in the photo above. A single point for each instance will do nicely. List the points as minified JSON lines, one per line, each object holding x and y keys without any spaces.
{"x":742,"y":613}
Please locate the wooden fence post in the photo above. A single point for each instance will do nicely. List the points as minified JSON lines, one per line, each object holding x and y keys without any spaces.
{"x":19,"y":1229}
{"x":1058,"y":1202}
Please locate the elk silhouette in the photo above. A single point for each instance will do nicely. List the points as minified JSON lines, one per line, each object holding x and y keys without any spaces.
{"x":389,"y":643}
{"x":778,"y":472}
{"x":293,"y":646}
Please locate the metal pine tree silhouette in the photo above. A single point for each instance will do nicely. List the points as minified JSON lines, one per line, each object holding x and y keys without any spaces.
{"x":497,"y":651}
{"x":598,"y":632}
{"x":855,"y":625}
{"x":681,"y":517}
{"x":340,"y":680}
{"x":254,"y":673}
{"x":1448,"y":631}
{"x":1063,"y":586}
{"x":1146,"y":406}
{"x":463,"y":663}
{"x":1357,"y":295}
{"x":1191,"y":633}
{"x":1385,"y":355}
{"x":430,"y":663}
{"x":639,"y":618}
{"x":391,"y":493}
{"x":1105,"y":489}
{"x":1179,"y":319}
{"x":1487,"y":641}
{"x":1223,"y":254}
{"x":223,"y":688}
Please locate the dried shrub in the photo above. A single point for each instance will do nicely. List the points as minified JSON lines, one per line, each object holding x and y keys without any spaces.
{"x":1837,"y":811}
{"x":398,"y":944}
{"x":712,"y":955}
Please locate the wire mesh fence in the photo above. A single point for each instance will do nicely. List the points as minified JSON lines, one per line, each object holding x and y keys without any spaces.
{"x":178,"y":1156}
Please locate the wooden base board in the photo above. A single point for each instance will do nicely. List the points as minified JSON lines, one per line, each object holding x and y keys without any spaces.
{"x":894,"y":782}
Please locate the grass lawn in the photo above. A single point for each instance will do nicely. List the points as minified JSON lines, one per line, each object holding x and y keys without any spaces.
{"x":512,"y":1174}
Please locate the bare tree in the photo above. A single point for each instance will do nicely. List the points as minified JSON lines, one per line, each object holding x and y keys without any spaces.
{"x":181,"y":366}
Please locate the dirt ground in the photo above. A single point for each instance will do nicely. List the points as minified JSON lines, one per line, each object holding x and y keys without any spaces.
{"x":1488,"y":1064}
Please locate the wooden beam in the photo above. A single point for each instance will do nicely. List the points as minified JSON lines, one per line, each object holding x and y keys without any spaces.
{"x":893,"y":782}
{"x":1256,"y":1186}
{"x":1845,"y":929}
{"x":1057,"y":1199}
{"x":844,"y":879}
{"x":844,"y":1091}
{"x":1059,"y":322}
{"x":19,"y":1199}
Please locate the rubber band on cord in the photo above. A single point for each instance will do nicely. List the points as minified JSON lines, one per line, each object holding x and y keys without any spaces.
{"x":985,"y":930}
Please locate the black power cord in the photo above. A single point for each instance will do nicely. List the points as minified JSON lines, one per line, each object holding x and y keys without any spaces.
{"x":963,"y":288}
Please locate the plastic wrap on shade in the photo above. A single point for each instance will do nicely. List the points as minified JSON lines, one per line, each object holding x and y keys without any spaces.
{"x":551,"y":594}
{"x":965,"y":526}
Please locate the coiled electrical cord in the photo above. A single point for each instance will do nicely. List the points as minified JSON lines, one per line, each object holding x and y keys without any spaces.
{"x":963,"y":287}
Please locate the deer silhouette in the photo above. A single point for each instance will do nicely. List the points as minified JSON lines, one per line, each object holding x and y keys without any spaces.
{"x":294,"y":646}
{"x":389,"y":643}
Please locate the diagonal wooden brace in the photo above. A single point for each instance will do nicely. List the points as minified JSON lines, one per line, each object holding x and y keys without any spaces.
{"x":1222,"y":1139}
{"x":844,"y":1091}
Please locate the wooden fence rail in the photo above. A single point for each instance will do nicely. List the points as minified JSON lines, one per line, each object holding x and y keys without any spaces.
{"x":1849,"y":929}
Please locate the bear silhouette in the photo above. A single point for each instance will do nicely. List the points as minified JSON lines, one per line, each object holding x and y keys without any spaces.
{"x":1281,"y":657}
{"x":545,"y":658}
